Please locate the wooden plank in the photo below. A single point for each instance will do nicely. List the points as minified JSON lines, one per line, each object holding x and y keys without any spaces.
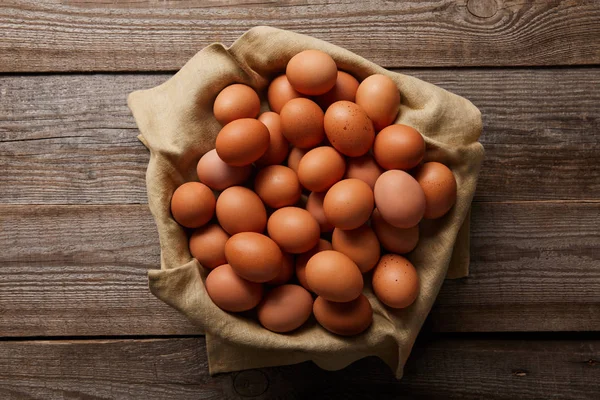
{"x":71,"y":139}
{"x":177,"y":369}
{"x":131,"y":36}
{"x":81,"y":270}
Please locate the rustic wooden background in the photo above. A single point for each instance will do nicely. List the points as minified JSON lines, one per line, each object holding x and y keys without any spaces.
{"x":76,"y":236}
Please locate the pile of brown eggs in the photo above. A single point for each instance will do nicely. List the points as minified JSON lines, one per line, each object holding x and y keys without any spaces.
{"x":307,"y":195}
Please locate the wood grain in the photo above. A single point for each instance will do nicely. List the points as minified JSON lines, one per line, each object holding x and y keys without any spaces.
{"x":177,"y":369}
{"x":133,"y":35}
{"x":81,"y":270}
{"x":70,"y":139}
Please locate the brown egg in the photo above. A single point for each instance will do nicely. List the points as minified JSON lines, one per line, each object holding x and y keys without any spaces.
{"x":193,"y":204}
{"x":285,"y":308}
{"x":364,"y":168}
{"x":230,"y":292}
{"x":243,"y":141}
{"x":280,"y":92}
{"x":348,"y":204}
{"x":294,"y":158}
{"x":360,"y":244}
{"x":293,"y":229}
{"x":396,"y":240}
{"x":314,"y":205}
{"x":277,"y":186}
{"x":287,"y":271}
{"x":320,"y":168}
{"x":395,"y":281}
{"x":235,"y":102}
{"x":253,"y":256}
{"x":303,"y":258}
{"x":378,"y":95}
{"x":344,"y":89}
{"x":311,"y":72}
{"x":207,"y":245}
{"x":278,"y":144}
{"x":399,"y":147}
{"x":349,"y":129}
{"x":217,"y":174}
{"x":346,"y":319}
{"x":302,"y":123}
{"x":439,"y":186}
{"x":334,"y":276}
{"x":240,"y":210}
{"x":389,"y":189}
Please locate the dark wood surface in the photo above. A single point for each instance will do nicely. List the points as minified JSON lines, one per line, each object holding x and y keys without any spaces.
{"x":76,"y":237}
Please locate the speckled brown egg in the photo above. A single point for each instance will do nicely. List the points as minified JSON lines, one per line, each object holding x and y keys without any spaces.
{"x":302,"y":123}
{"x":378,"y":95}
{"x":253,"y":256}
{"x":230,"y":292}
{"x":348,"y":204}
{"x":320,"y":168}
{"x":360,"y":244}
{"x":395,"y":281}
{"x":396,"y":240}
{"x":346,"y":319}
{"x":349,"y":129}
{"x":239,"y":209}
{"x":293,"y":229}
{"x":243,"y":141}
{"x":439,"y":185}
{"x":278,"y":145}
{"x":311,"y":72}
{"x":302,"y":260}
{"x":277,"y":186}
{"x":344,"y":89}
{"x":399,"y":147}
{"x":280,"y":92}
{"x":192,"y":204}
{"x":235,"y":102}
{"x":287,"y":270}
{"x":285,"y":308}
{"x":217,"y":174}
{"x":393,"y":186}
{"x":334,"y":276}
{"x":314,"y":205}
{"x":294,"y":157}
{"x":364,"y":168}
{"x":207,"y":245}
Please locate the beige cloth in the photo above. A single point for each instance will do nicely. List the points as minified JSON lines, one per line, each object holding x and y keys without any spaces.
{"x":177,"y":125}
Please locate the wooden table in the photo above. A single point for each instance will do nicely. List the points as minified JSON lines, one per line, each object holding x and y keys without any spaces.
{"x":76,"y":236}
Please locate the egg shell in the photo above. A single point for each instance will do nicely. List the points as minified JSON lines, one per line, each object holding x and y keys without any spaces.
{"x":253,"y":256}
{"x":439,"y":185}
{"x":311,"y":72}
{"x":348,"y":128}
{"x":207,"y":245}
{"x":396,"y":240}
{"x":239,"y":209}
{"x":395,"y":281}
{"x":348,"y":204}
{"x":314,"y":205}
{"x":243,"y":141}
{"x":392,"y":186}
{"x":193,"y":204}
{"x":360,"y":244}
{"x":277,"y":186}
{"x":344,"y":89}
{"x":287,"y":270}
{"x":378,"y":95}
{"x":235,"y":102}
{"x":320,"y":168}
{"x":302,"y":260}
{"x":293,"y":229}
{"x":230,"y":292}
{"x":294,"y":158}
{"x":302,"y":123}
{"x":285,"y":308}
{"x":278,"y":144}
{"x":334,"y":276}
{"x":217,"y":174}
{"x":399,"y":147}
{"x":364,"y":168}
{"x":346,"y":319}
{"x":280,"y":92}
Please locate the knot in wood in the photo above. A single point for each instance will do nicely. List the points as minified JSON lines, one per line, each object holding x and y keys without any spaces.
{"x":482,"y":8}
